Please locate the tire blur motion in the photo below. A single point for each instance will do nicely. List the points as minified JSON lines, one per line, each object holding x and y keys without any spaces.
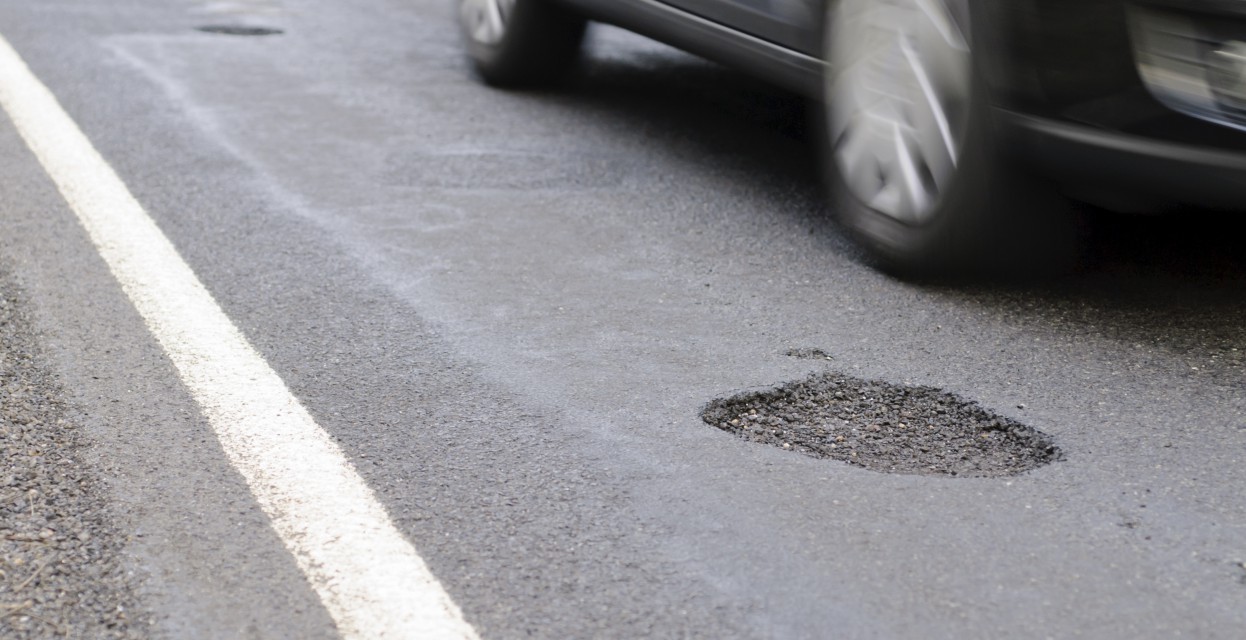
{"x":954,"y":132}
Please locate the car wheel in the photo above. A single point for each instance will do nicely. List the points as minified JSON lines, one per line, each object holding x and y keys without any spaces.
{"x":520,"y":43}
{"x":910,"y":149}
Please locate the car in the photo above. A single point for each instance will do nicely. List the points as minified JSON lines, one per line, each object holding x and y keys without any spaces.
{"x":948,"y":127}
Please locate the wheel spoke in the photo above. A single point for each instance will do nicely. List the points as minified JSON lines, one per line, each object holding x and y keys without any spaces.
{"x":861,"y":170}
{"x":485,"y":20}
{"x":938,"y":17}
{"x":493,"y":16}
{"x":862,"y":37}
{"x":914,"y":186}
{"x":496,"y":20}
{"x":930,"y":99}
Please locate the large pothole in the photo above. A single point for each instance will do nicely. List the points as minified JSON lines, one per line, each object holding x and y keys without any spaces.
{"x":884,"y":427}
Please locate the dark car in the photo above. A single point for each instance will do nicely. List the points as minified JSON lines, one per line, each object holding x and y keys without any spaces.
{"x":947,"y":122}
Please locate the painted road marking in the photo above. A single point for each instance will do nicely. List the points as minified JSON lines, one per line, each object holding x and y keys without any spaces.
{"x":370,"y":578}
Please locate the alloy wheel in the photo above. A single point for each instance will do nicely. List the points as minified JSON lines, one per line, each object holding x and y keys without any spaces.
{"x":898,"y":92}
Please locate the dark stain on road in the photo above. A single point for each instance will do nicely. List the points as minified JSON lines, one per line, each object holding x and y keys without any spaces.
{"x":239,"y":30}
{"x":884,"y":427}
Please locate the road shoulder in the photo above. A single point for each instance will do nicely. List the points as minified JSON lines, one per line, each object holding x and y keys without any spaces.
{"x":60,"y":569}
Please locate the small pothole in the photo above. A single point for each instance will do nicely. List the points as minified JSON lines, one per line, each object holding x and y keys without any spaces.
{"x":239,"y":30}
{"x":884,"y":427}
{"x":808,"y":353}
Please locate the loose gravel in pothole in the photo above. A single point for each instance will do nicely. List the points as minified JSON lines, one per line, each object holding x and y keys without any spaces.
{"x":884,"y":427}
{"x":59,"y":570}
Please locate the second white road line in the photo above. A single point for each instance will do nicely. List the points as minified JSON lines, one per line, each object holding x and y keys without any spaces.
{"x":369,"y":577}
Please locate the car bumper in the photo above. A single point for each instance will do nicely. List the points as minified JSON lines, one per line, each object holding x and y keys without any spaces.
{"x":1116,"y":166}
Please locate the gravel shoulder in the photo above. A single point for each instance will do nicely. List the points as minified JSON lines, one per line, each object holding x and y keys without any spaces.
{"x":60,"y":570}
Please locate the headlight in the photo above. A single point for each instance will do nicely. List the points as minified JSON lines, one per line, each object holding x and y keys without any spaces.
{"x":1193,"y":63}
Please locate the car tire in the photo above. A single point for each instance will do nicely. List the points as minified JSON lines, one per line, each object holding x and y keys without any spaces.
{"x":912,"y":154}
{"x":520,"y":43}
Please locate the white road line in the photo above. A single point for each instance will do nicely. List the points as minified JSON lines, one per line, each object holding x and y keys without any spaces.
{"x":370,"y":579}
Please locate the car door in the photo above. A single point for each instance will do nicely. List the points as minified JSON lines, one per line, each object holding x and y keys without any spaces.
{"x":790,"y":23}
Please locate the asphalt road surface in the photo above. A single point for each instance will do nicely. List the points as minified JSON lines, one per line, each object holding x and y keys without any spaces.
{"x":507,"y":312}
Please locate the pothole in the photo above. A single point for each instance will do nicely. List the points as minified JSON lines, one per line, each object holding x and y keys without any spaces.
{"x":884,"y":427}
{"x":239,"y":30}
{"x":808,"y":353}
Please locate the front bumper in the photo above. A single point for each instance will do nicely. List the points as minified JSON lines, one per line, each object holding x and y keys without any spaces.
{"x":1075,"y":102}
{"x":1129,"y":167}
